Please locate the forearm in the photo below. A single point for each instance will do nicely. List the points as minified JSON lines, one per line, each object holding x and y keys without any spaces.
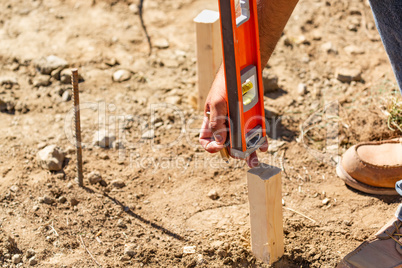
{"x":272,"y":18}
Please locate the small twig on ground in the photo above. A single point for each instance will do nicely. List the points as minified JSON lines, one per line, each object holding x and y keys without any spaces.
{"x":83,"y":244}
{"x":54,"y":230}
{"x":301,"y":214}
{"x":282,"y":160}
{"x":140,"y":13}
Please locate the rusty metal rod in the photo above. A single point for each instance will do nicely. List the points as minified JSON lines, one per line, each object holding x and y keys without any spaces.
{"x":78,"y":144}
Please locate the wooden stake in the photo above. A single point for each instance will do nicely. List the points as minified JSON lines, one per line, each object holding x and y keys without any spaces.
{"x":209,"y":52}
{"x":266,"y":221}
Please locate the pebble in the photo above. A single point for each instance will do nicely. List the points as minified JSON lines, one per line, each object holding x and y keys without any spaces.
{"x":62,"y":199}
{"x":118,"y":183}
{"x":124,"y":258}
{"x":74,"y":202}
{"x":270,"y":81}
{"x":17,"y":258}
{"x":189,"y":249}
{"x":354,"y":50}
{"x":347,"y":75}
{"x":30,"y":253}
{"x":66,"y":96}
{"x":32,"y":261}
{"x":149,"y":134}
{"x":173,"y":100}
{"x":133,"y":8}
{"x":129,"y":250}
{"x":121,"y":224}
{"x":103,"y":139}
{"x":325,"y":201}
{"x":9,"y":82}
{"x":50,"y":158}
{"x":329,"y":48}
{"x":121,"y":75}
{"x":46,"y":200}
{"x":56,"y":73}
{"x":41,"y":81}
{"x":48,"y":64}
{"x":161,"y":43}
{"x":213,"y":194}
{"x":301,"y":89}
{"x":94,"y":177}
{"x":14,"y":188}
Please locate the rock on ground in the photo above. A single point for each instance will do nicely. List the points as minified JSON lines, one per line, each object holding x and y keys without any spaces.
{"x":270,"y":81}
{"x":41,"y":81}
{"x":301,"y":89}
{"x":118,"y":183}
{"x":48,"y":64}
{"x":51,"y":158}
{"x":347,"y":75}
{"x":129,"y":250}
{"x":121,"y":75}
{"x":103,"y":139}
{"x":148,"y":135}
{"x":94,"y":177}
{"x":213,"y":194}
{"x":32,"y":261}
{"x":161,"y":43}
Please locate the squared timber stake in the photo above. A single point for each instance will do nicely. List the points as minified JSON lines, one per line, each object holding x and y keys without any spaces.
{"x":266,"y":221}
{"x":209,"y":52}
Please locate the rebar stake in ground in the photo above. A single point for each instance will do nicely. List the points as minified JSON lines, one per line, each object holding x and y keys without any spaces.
{"x":78,"y":145}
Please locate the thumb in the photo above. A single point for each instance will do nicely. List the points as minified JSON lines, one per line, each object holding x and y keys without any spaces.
{"x":217,"y":122}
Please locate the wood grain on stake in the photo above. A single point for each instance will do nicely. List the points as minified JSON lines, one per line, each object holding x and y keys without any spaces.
{"x":266,"y":221}
{"x":209,"y":52}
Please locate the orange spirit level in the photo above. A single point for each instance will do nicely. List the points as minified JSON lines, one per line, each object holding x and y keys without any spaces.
{"x":242,"y":65}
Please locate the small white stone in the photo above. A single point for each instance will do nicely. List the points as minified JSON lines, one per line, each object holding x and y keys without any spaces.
{"x":213,"y":194}
{"x":189,"y":249}
{"x":121,"y":75}
{"x":32,"y":261}
{"x":149,"y":134}
{"x":173,"y":100}
{"x":17,"y":258}
{"x":161,"y":43}
{"x":133,"y":8}
{"x":325,"y":201}
{"x":121,"y":224}
{"x":50,"y":158}
{"x":301,"y":89}
{"x":66,"y":96}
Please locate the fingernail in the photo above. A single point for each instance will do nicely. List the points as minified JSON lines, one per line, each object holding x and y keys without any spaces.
{"x":218,"y":138}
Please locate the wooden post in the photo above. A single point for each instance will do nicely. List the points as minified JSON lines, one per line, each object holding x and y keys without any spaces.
{"x":209,"y":52}
{"x":266,"y":221}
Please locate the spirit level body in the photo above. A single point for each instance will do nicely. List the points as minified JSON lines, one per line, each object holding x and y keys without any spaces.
{"x":242,"y":66}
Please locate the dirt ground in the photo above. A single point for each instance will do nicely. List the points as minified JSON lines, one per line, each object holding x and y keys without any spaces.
{"x":152,"y":207}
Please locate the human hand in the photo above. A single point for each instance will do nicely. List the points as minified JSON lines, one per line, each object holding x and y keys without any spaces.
{"x":214,"y":129}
